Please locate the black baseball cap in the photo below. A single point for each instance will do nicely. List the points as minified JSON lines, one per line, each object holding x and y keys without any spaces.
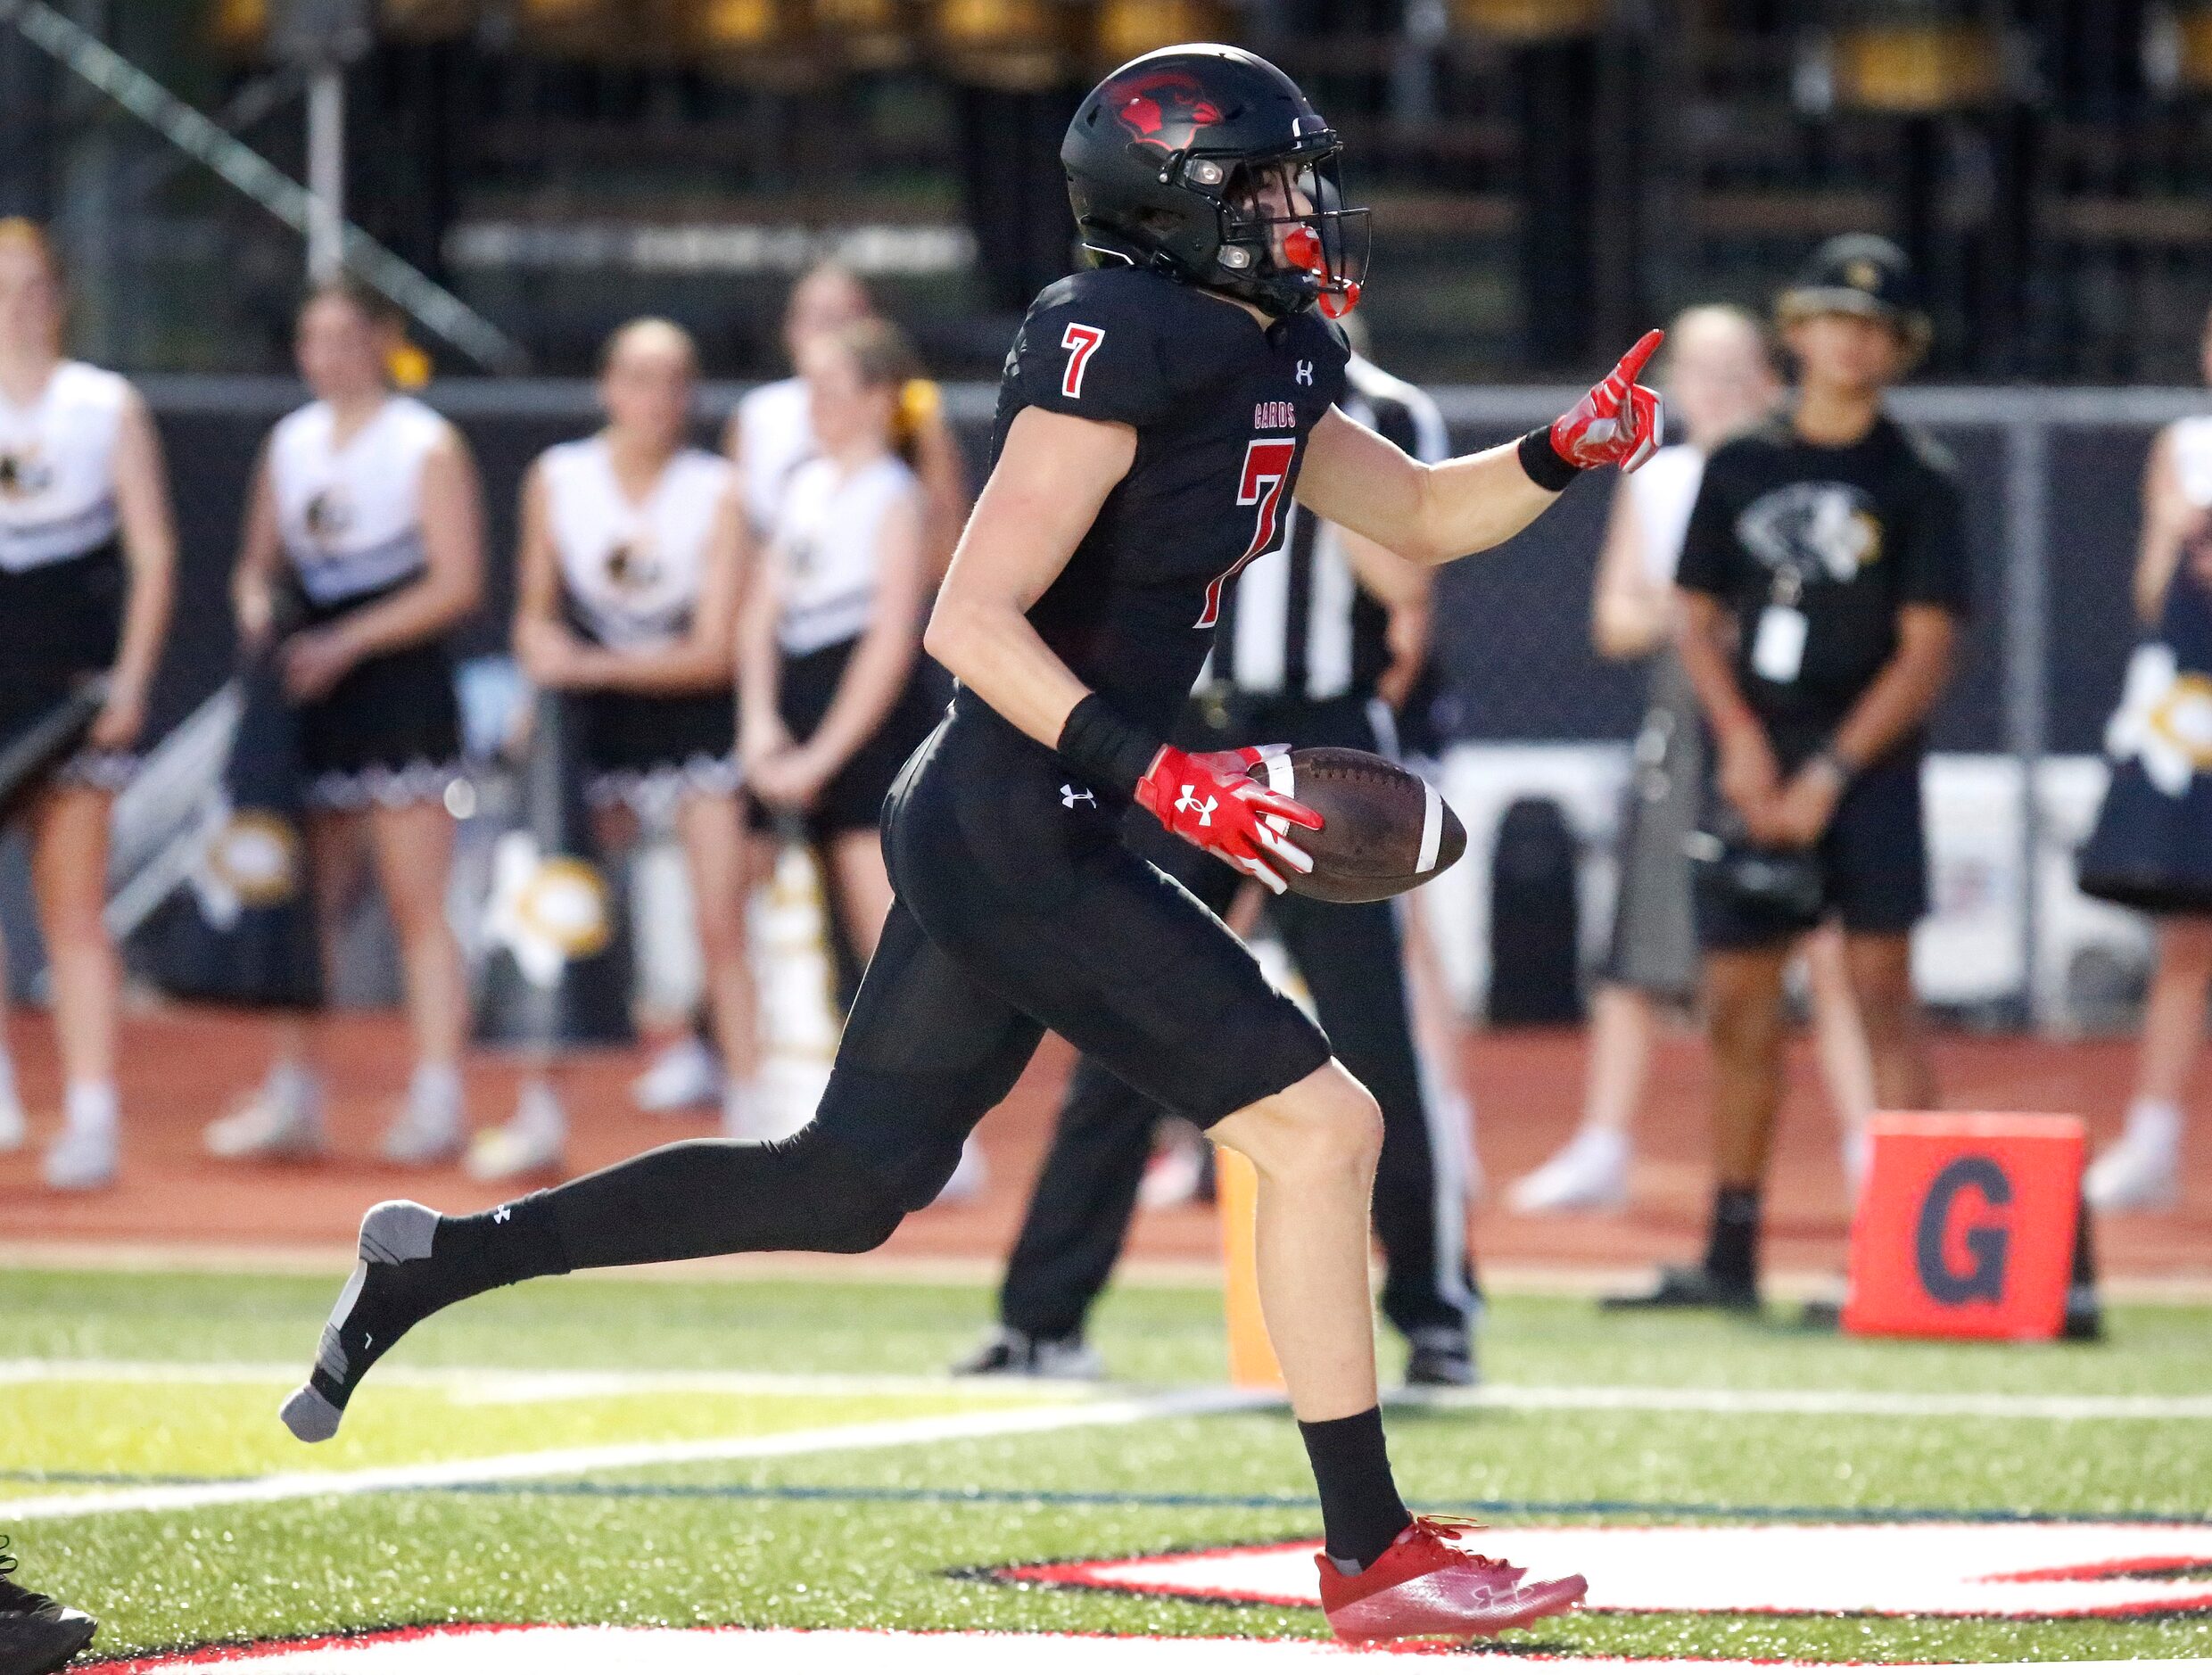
{"x":1863,"y":274}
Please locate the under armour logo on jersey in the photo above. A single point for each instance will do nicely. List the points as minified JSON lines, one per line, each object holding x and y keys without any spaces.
{"x":1190,"y":802}
{"x":1305,"y":372}
{"x":1069,"y":796}
{"x":503,"y":1212}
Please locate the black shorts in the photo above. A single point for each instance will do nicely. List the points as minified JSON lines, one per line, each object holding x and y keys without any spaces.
{"x":389,"y":733}
{"x":60,"y":624}
{"x":853,"y":801}
{"x":1019,"y":876}
{"x":1871,"y":863}
{"x":650,"y":753}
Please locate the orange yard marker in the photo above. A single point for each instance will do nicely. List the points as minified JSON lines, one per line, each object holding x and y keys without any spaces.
{"x":1252,"y":1365}
{"x":1965,"y":1226}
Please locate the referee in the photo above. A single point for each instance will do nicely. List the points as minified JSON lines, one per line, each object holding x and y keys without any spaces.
{"x":1310,"y":635}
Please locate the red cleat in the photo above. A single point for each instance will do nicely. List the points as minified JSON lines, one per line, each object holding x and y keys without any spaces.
{"x":1427,"y":1583}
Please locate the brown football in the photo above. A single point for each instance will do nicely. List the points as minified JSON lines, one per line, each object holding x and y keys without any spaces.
{"x":1387,"y":829}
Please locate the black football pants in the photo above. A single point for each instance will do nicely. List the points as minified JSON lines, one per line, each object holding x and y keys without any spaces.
{"x":1352,"y":960}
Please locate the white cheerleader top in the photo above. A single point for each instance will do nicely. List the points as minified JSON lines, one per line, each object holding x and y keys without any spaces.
{"x":775,"y":437}
{"x":57,"y":467}
{"x":633,"y":570}
{"x":2193,"y":457}
{"x":1663,"y":492}
{"x":829,"y":545}
{"x":351,"y":516}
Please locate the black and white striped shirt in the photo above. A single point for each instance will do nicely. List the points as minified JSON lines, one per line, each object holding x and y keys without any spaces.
{"x":1295,"y":621}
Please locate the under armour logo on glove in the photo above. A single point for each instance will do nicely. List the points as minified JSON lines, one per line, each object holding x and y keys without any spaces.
{"x":1184,"y":793}
{"x":1189,"y":803}
{"x":1618,"y":423}
{"x":1069,"y":796}
{"x":502,"y":1213}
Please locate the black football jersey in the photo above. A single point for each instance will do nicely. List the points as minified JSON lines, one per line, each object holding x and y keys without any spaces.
{"x":1222,"y":407}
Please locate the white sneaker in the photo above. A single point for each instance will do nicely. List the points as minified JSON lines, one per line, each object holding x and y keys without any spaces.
{"x":2141,"y":1171}
{"x":426,"y":1132}
{"x":970,"y":1176}
{"x":1173,"y":1174}
{"x":1589,"y":1172}
{"x":684,"y":1075}
{"x":282,"y":1118}
{"x":532,"y":1142}
{"x":84,"y":1159}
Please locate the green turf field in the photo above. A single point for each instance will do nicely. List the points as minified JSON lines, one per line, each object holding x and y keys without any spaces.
{"x":876,"y":1532}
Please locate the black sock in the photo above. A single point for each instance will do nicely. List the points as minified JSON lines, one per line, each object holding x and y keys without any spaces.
{"x":1732,"y":1249}
{"x":1361,"y":1514}
{"x":515,"y":1241}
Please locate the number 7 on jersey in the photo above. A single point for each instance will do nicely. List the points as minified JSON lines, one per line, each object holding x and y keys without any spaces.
{"x":1080,"y":342}
{"x":1267,"y":468}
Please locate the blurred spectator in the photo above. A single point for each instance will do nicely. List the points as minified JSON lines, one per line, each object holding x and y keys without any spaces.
{"x":363,"y":550}
{"x":1822,"y":584}
{"x":834,"y":693}
{"x":88,"y":556}
{"x":770,"y":436}
{"x":2153,"y":844}
{"x":627,"y":598}
{"x":1719,"y":380}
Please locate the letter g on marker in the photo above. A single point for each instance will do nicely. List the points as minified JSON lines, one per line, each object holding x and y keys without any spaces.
{"x":1988,"y":1243}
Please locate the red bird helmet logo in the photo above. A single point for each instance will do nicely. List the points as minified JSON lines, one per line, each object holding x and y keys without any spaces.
{"x":1166,"y":109}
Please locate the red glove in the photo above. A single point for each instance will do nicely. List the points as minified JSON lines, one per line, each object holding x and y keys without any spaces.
{"x":1618,"y":423}
{"x":1211,"y":801}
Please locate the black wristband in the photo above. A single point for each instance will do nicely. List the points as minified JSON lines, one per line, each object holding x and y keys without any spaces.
{"x":1542,"y":461}
{"x":1105,"y":749}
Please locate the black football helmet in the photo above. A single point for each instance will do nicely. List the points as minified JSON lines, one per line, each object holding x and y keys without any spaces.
{"x":1207,"y":164}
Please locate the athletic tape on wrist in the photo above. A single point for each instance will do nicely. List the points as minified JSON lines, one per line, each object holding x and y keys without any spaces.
{"x":1547,"y":468}
{"x":1108,"y":752}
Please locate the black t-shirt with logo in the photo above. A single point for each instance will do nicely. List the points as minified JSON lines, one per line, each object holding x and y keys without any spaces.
{"x":1848,"y":536}
{"x":1222,"y":407}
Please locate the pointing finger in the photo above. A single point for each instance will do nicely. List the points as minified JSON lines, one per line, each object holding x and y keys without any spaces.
{"x":1632,"y":363}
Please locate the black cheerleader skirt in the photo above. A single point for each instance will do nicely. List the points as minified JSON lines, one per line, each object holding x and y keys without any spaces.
{"x":389,"y":733}
{"x":2152,"y":845}
{"x":60,"y":624}
{"x":853,"y":801}
{"x":648,"y":753}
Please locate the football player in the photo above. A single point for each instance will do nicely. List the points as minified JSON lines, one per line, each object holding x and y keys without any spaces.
{"x":1156,"y":416}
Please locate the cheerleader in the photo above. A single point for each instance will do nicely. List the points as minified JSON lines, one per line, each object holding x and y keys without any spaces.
{"x":88,"y":556}
{"x":2152,"y":845}
{"x":770,"y":436}
{"x":1719,"y":380}
{"x":364,"y":512}
{"x":835,"y":695}
{"x":628,"y":582}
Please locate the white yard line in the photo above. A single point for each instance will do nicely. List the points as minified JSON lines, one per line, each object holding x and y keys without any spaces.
{"x":498,"y":1386}
{"x":631,"y":1457}
{"x":490,"y":1386}
{"x":1863,"y":1403}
